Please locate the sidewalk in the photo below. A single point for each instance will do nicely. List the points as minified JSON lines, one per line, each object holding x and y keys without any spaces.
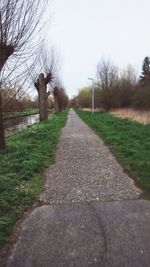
{"x":90,"y":213}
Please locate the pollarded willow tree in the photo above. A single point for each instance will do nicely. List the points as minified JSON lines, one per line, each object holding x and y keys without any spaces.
{"x":19,"y":26}
{"x":48,"y":69}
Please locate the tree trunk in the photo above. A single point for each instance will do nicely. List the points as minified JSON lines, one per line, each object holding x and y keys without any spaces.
{"x":4,"y":55}
{"x":2,"y":135}
{"x":42,"y":98}
{"x":5,"y":52}
{"x":56,"y":104}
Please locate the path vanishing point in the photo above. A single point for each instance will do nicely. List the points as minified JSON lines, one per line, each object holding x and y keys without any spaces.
{"x":91,"y":213}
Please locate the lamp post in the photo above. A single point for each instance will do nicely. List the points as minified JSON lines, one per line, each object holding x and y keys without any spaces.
{"x":93,"y":104}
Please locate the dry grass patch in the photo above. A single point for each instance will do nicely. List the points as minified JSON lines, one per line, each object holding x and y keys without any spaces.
{"x":95,"y":110}
{"x":135,"y":115}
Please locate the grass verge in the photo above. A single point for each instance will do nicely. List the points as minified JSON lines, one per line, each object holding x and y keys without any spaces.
{"x":28,"y":152}
{"x":129,"y":141}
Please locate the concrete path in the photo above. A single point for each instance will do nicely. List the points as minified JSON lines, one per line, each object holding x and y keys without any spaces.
{"x":90,"y":213}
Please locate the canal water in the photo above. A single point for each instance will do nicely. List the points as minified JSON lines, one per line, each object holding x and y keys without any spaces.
{"x":19,"y":123}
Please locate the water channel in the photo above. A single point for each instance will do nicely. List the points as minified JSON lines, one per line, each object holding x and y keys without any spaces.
{"x":19,"y":123}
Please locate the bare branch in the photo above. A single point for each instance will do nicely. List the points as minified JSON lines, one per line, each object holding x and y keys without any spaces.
{"x":19,"y":26}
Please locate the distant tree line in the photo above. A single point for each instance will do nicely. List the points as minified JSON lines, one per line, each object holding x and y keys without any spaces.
{"x":117,"y":90}
{"x":16,"y":99}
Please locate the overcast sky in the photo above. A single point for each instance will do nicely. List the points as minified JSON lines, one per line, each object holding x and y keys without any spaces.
{"x":86,"y":30}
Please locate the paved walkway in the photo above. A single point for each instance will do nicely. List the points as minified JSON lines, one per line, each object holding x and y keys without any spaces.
{"x":90,"y":213}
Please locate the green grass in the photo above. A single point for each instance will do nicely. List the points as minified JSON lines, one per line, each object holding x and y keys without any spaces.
{"x":27,"y":154}
{"x":129,"y":141}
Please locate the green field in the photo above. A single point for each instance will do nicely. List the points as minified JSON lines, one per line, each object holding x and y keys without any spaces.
{"x":27,"y":154}
{"x":128,"y":140}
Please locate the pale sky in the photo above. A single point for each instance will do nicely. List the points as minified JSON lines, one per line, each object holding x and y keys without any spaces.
{"x":84,"y":31}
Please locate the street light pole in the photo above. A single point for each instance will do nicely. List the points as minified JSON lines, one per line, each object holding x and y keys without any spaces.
{"x":93,"y":104}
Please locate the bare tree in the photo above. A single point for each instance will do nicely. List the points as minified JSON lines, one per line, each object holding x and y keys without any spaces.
{"x":19,"y":24}
{"x":127,"y":83}
{"x":13,"y":95}
{"x":130,"y":74}
{"x":41,"y":86}
{"x":49,"y":64}
{"x":56,"y":94}
{"x":60,"y":97}
{"x":107,"y":74}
